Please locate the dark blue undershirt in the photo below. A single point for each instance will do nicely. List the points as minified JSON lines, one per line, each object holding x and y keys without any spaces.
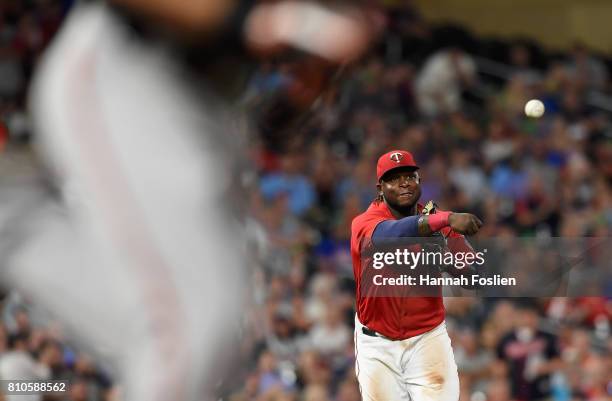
{"x":406,"y":227}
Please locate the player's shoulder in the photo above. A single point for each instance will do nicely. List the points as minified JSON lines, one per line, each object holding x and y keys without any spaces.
{"x":374,"y":210}
{"x":358,"y":221}
{"x":364,"y":224}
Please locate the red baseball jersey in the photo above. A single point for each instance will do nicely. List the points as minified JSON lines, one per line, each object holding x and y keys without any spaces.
{"x":395,"y":317}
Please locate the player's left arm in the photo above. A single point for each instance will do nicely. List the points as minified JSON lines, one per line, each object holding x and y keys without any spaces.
{"x":426,"y":225}
{"x":456,"y":242}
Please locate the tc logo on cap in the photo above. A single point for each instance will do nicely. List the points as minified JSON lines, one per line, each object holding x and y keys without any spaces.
{"x":396,"y":157}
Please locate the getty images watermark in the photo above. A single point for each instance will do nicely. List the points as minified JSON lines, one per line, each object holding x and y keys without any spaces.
{"x":485,"y":267}
{"x":440,"y":261}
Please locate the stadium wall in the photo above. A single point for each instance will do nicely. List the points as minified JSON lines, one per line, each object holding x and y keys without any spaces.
{"x":555,"y":23}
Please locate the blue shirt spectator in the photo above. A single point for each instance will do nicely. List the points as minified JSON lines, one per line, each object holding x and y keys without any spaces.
{"x":297,"y":187}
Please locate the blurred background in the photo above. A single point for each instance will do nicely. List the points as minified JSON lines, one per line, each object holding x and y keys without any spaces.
{"x":447,"y":81}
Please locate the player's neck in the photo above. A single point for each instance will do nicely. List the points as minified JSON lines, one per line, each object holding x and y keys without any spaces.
{"x":401,"y":212}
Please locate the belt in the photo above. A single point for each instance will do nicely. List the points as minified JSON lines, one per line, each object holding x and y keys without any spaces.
{"x":372,"y":333}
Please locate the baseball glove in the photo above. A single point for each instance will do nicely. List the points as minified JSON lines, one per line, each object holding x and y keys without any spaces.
{"x":429,"y":208}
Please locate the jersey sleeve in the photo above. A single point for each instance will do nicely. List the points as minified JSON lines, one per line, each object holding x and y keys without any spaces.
{"x":364,"y":226}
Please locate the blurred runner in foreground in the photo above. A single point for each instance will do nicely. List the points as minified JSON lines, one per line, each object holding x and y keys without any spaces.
{"x":132,"y":111}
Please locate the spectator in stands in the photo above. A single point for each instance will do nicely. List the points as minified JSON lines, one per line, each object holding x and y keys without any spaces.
{"x":292,"y":181}
{"x":531,"y":355}
{"x":270,"y":379}
{"x":78,"y":391}
{"x":18,"y":363}
{"x":468,"y":177}
{"x":316,"y":392}
{"x":498,"y":390}
{"x":588,"y":71}
{"x":358,"y":183}
{"x":472,"y":359}
{"x":331,"y":335}
{"x":520,"y":60}
{"x":97,"y":385}
{"x":50,"y":354}
{"x":313,"y":368}
{"x":348,"y":391}
{"x":442,"y":79}
{"x":283,"y":340}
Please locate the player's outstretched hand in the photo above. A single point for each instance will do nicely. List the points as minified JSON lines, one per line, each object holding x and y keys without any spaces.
{"x":464,"y":223}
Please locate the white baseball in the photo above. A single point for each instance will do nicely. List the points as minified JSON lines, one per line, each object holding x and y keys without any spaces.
{"x":534,"y":108}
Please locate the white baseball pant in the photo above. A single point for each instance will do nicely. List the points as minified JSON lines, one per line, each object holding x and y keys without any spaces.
{"x":420,"y":368}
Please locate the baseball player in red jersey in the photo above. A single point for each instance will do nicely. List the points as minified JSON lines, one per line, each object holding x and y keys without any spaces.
{"x":402,"y":348}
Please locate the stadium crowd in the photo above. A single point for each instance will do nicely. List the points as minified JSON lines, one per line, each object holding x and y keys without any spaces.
{"x":426,"y":90}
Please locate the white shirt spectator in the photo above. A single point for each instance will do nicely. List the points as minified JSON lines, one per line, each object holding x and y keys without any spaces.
{"x":330,"y":339}
{"x":439,"y":83}
{"x":331,"y":335}
{"x":19,"y":365}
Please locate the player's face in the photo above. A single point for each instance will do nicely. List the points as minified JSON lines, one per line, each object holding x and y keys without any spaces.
{"x":401,"y":187}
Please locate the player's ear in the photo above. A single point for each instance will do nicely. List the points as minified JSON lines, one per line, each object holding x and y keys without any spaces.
{"x":379,"y":188}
